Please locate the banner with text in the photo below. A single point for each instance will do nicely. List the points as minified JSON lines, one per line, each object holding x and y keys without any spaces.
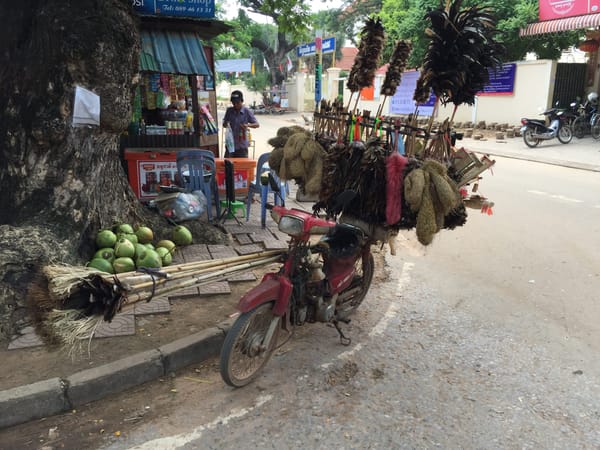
{"x":402,"y":101}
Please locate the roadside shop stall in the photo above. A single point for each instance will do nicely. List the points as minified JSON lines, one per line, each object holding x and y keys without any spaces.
{"x":175,"y":105}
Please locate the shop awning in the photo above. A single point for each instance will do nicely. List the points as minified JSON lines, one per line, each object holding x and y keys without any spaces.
{"x":557,"y":25}
{"x":178,"y":52}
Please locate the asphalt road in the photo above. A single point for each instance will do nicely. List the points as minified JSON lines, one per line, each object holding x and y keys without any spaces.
{"x":488,"y":338}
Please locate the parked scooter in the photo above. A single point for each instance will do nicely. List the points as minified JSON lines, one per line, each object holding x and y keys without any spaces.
{"x":317,"y":282}
{"x":535,"y":131}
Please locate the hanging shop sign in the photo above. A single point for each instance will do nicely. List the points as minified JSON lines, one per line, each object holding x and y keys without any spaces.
{"x":175,"y":8}
{"x":502,"y":81}
{"x":558,"y":9}
{"x":327,"y":46}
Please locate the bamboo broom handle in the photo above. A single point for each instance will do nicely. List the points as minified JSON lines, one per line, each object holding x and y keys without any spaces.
{"x":157,"y":281}
{"x":125,"y":276}
{"x":196,"y":281}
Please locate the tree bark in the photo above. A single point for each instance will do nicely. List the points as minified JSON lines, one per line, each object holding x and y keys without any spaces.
{"x":61,"y":184}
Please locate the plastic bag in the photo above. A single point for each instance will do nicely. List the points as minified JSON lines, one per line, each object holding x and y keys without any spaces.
{"x":180,"y":206}
{"x":229,"y":141}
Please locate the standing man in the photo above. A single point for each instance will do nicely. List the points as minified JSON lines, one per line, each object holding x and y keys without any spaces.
{"x":239,"y":118}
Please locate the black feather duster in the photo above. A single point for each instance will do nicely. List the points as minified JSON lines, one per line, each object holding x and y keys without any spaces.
{"x":397,"y":65}
{"x":363,"y":70}
{"x":461,"y":50}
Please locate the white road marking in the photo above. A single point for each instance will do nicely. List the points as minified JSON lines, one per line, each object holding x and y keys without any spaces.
{"x":394,"y":305}
{"x":179,"y":440}
{"x":389,"y":314}
{"x":556,"y":196}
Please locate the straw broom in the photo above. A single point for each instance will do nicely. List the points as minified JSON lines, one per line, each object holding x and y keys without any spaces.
{"x":97,"y":296}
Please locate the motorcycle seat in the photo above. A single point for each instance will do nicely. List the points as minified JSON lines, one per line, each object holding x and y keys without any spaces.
{"x":342,"y":241}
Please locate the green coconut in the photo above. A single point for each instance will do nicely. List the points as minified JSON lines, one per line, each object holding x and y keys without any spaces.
{"x":144,"y":234}
{"x":124,"y":247}
{"x":166,"y":243}
{"x":139,"y":248}
{"x":107,"y":253}
{"x":131,"y":237}
{"x":165,"y":255}
{"x":106,"y":238}
{"x":101,"y":264}
{"x":123,"y":264}
{"x":148,"y":258}
{"x":181,"y":235}
{"x":124,"y":228}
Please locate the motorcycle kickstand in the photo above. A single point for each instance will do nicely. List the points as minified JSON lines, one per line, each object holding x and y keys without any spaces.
{"x":343,"y":339}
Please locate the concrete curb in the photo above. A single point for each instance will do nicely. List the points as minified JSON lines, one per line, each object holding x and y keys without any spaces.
{"x":56,"y":395}
{"x":542,"y":160}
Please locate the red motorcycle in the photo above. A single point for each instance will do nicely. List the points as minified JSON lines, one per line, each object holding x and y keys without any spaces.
{"x":324,"y":281}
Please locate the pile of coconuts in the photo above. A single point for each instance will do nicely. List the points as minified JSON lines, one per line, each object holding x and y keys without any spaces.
{"x":123,"y":249}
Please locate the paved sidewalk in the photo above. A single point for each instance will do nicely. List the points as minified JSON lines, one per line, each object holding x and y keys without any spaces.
{"x":63,"y":393}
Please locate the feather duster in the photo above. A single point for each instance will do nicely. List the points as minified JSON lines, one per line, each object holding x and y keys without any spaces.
{"x":394,"y":176}
{"x":396,"y":67}
{"x":363,"y":70}
{"x":461,"y":52}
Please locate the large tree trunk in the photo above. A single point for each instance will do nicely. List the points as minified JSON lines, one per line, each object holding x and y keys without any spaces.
{"x":61,"y":184}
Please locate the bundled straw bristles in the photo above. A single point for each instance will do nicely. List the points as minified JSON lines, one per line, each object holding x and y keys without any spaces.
{"x":299,"y":159}
{"x":64,"y":280}
{"x":432,"y":195}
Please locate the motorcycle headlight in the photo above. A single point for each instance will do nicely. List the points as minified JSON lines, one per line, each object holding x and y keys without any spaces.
{"x":291,"y":225}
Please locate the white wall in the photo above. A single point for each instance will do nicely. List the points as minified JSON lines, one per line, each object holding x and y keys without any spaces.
{"x":534,"y":85}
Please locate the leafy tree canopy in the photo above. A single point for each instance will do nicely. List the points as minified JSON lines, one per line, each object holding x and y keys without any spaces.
{"x":405,"y":19}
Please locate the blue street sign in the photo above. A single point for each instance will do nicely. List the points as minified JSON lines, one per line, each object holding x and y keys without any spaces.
{"x":311,"y":49}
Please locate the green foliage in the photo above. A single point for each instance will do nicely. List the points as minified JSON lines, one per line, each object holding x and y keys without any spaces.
{"x":259,"y":82}
{"x":405,"y":19}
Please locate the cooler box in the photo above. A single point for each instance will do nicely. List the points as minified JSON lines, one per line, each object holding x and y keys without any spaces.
{"x":244,"y":170}
{"x":147,"y":170}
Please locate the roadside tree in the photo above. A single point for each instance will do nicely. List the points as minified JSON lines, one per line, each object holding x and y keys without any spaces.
{"x":61,"y":184}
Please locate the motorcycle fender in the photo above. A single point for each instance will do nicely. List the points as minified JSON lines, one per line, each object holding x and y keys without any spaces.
{"x":272,"y":287}
{"x":524,"y":128}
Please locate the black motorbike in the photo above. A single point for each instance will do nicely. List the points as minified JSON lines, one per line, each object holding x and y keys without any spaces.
{"x":535,"y":131}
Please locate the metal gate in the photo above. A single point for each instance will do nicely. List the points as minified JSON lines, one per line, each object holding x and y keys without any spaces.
{"x":569,"y":84}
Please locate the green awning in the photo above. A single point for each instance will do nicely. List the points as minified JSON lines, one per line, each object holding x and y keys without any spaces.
{"x":179,"y":52}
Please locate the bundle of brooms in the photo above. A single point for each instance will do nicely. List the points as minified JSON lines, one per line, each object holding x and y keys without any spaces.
{"x":76,"y":299}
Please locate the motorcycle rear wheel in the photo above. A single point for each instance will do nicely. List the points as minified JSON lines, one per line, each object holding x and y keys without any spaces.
{"x":242,"y":357}
{"x":362,"y":280}
{"x":565,"y":134}
{"x":529,"y":139}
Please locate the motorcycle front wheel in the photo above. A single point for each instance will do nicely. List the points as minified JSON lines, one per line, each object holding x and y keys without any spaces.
{"x":595,"y":126}
{"x":579,"y":127}
{"x":529,"y":139}
{"x":564,"y":134}
{"x":243,"y":354}
{"x":361,"y":282}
